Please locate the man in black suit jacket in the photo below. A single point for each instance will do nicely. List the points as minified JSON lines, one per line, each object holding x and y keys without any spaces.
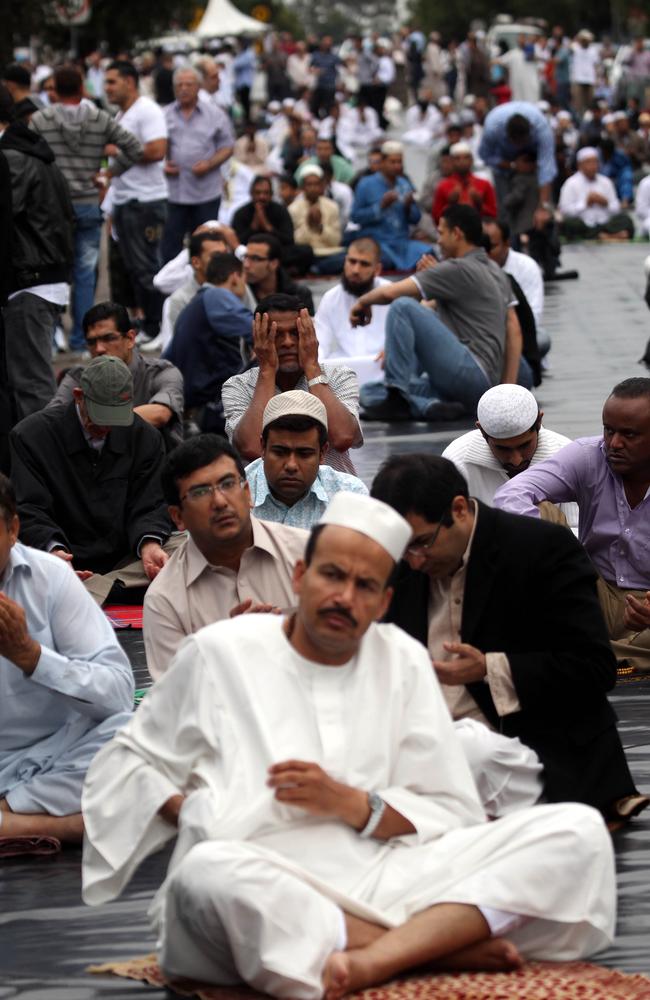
{"x":531,"y":634}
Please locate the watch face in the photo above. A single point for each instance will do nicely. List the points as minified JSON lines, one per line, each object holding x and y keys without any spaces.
{"x":375,"y":802}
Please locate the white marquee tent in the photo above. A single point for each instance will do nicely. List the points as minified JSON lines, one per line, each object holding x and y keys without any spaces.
{"x":221,"y":18}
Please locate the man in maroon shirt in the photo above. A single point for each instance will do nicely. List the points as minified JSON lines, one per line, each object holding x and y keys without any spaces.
{"x":462,"y":187}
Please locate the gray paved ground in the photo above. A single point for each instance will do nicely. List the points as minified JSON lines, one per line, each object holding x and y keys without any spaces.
{"x":599,"y":327}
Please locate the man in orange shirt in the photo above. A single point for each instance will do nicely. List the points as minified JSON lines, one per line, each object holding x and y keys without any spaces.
{"x":462,"y":187}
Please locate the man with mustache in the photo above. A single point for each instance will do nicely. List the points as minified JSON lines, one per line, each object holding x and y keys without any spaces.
{"x":508,"y":439}
{"x":329,"y":833}
{"x":230,"y":562}
{"x":289,"y":483}
{"x":609,"y":478}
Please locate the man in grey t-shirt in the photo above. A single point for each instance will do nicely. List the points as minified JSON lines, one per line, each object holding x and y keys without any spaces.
{"x":441,"y":357}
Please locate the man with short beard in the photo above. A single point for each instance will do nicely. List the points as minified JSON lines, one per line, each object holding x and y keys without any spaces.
{"x":337,"y":338}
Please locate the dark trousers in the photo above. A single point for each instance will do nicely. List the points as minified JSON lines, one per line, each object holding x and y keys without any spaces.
{"x":139,"y":228}
{"x":322,"y":99}
{"x":575,"y":229}
{"x":29,"y":323}
{"x":243,"y":95}
{"x":182,"y":220}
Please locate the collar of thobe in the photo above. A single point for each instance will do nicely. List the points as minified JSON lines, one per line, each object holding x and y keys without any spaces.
{"x":262,"y":539}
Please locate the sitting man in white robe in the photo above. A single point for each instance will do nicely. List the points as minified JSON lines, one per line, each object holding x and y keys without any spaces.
{"x":589,"y":204}
{"x":360,"y":346}
{"x":330,"y":834}
{"x":229,"y":563}
{"x":66,"y":686}
{"x":508,"y":439}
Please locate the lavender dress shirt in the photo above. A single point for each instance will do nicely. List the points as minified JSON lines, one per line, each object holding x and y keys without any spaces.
{"x":616,"y":536}
{"x":198,"y":137}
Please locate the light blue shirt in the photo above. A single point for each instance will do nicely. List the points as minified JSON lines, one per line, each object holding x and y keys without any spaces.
{"x":82,"y":674}
{"x":495,"y":145}
{"x":307,"y":511}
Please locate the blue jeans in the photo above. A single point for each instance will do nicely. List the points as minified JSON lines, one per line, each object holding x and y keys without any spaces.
{"x":425,"y":361}
{"x":87,"y":234}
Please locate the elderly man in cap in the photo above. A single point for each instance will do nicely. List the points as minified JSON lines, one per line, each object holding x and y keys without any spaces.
{"x":508,"y":439}
{"x":66,"y":688}
{"x":589,"y":204}
{"x":87,"y":477}
{"x":316,"y":219}
{"x":290,"y":483}
{"x":385,"y":208}
{"x":462,"y":187}
{"x":228,"y":563}
{"x":321,"y":858}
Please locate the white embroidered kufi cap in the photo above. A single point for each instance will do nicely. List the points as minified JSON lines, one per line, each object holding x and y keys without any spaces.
{"x":392,"y":147}
{"x":370,"y":517}
{"x":505,"y":411}
{"x":460,"y":149}
{"x":586,"y":153}
{"x":294,"y":403}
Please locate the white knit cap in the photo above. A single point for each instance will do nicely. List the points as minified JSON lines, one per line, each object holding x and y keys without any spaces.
{"x":460,"y":149}
{"x":311,"y":170}
{"x":392,"y":147}
{"x":294,"y":403}
{"x":370,"y":517}
{"x":586,"y":153}
{"x":505,"y":411}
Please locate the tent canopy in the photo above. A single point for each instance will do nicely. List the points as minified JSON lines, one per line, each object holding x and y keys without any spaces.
{"x":221,"y":18}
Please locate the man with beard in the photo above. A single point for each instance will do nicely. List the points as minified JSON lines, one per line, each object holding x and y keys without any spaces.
{"x":337,"y":338}
{"x":509,"y":438}
{"x":609,"y":478}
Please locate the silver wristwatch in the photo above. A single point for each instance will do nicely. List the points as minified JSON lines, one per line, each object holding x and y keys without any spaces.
{"x":318,"y":380}
{"x":377,"y":810}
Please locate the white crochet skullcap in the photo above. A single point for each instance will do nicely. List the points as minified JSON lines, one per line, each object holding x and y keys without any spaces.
{"x":586,"y":153}
{"x":294,"y":403}
{"x":505,"y":411}
{"x":370,"y":517}
{"x":392,"y":148}
{"x":460,"y":149}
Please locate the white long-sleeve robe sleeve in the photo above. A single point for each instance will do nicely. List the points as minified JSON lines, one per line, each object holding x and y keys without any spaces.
{"x":642,"y":205}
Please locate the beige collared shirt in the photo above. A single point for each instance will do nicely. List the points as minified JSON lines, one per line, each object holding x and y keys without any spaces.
{"x":445,"y":616}
{"x":190,"y":593}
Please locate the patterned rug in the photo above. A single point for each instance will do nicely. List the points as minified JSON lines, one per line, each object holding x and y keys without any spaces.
{"x":536,"y":981}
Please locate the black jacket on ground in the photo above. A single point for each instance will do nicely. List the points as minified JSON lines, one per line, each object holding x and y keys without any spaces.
{"x":38,"y":214}
{"x":530,"y":592}
{"x":99,"y":505}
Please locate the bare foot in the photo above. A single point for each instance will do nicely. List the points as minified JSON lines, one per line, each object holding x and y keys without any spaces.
{"x":347,"y":971}
{"x":494,"y":955}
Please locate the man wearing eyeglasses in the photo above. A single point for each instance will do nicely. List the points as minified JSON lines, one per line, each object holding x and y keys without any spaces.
{"x":157,"y":384}
{"x":508,"y":610}
{"x":265,"y":275}
{"x":229,"y":564}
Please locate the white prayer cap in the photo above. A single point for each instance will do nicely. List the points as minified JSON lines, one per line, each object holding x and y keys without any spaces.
{"x":311,"y":170}
{"x":586,"y":153}
{"x":469,"y":101}
{"x":565,"y":116}
{"x":444,"y":101}
{"x":294,"y":403}
{"x":619,"y":116}
{"x":544,"y":107}
{"x":274,"y":105}
{"x":505,"y":411}
{"x":460,"y":149}
{"x":608,"y":119}
{"x":370,"y":517}
{"x":586,"y":34}
{"x":288,"y":102}
{"x":392,"y":148}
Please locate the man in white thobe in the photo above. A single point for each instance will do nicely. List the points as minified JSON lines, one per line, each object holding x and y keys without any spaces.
{"x":337,"y":338}
{"x":509,"y":438}
{"x":66,"y":686}
{"x":330,"y":834}
{"x":589,"y":204}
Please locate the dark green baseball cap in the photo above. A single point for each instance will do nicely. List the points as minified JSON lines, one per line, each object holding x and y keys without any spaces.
{"x":107,"y":386}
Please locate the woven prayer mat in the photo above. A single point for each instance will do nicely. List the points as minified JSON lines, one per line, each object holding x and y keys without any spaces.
{"x":536,"y":981}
